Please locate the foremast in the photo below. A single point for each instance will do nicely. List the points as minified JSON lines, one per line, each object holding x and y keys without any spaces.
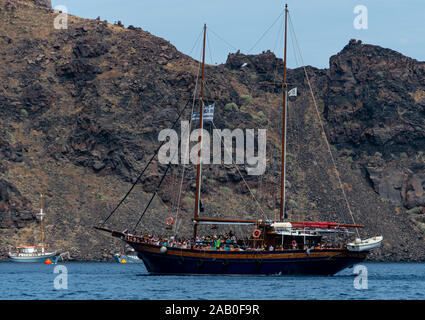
{"x":283,"y":162}
{"x":41,"y":214}
{"x":201,"y":127}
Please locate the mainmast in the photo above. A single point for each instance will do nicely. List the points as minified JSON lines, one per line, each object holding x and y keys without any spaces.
{"x":201,"y":126}
{"x":283,"y":168}
{"x":41,"y":214}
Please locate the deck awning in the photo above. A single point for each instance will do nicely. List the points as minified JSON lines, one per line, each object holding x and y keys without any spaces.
{"x":225,"y":221}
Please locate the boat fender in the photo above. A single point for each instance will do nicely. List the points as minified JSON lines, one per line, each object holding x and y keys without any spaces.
{"x":163,"y":249}
{"x":307,"y":251}
{"x":169,"y":221}
{"x":256,"y":234}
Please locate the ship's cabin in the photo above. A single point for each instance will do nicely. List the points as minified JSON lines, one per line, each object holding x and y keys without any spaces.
{"x":286,"y":236}
{"x":27,"y":249}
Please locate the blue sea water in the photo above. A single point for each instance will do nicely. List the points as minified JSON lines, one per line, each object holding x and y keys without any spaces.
{"x":100,"y":281}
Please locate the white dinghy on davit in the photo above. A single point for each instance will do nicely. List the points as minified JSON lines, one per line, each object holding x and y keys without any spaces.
{"x":364,"y":245}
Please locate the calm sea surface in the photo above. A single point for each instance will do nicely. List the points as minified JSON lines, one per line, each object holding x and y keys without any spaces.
{"x":101,"y":281}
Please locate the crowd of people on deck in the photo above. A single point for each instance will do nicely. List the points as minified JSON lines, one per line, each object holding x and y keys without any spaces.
{"x":226,"y":242}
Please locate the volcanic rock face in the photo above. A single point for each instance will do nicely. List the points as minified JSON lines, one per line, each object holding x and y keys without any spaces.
{"x":375,"y":97}
{"x":82,"y":109}
{"x":402,"y":186}
{"x":15,"y":210}
{"x":375,"y":105}
{"x":45,"y":3}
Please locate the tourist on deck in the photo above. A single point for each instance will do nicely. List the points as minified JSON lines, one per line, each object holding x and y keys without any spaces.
{"x":228,"y":243}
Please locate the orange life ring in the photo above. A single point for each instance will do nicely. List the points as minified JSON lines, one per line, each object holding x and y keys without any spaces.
{"x":256,"y":234}
{"x":169,"y":221}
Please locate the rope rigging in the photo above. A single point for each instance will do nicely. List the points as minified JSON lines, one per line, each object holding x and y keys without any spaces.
{"x":178,"y":200}
{"x":157,"y":189}
{"x":144,"y":169}
{"x":155,"y":153}
{"x":184,"y":167}
{"x":295,"y":49}
{"x":323,"y":129}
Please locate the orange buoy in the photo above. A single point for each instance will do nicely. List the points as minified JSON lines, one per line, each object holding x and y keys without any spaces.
{"x":48,"y":261}
{"x":169,"y":221}
{"x":256,"y":234}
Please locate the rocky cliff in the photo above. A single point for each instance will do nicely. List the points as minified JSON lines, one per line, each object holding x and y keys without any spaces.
{"x":82,"y":109}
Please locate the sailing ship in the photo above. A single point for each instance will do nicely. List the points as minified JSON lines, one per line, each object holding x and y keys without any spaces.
{"x":32,"y":252}
{"x":280,"y":247}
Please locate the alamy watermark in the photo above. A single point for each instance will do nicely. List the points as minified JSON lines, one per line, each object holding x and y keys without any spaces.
{"x":360,"y":21}
{"x":61,"y":280}
{"x":222,"y":139}
{"x":61,"y":20}
{"x":361,"y":280}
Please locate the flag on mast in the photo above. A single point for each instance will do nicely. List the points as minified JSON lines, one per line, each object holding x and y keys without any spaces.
{"x":293,"y":92}
{"x":208,"y":114}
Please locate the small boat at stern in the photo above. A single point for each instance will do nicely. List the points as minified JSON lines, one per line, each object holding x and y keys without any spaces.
{"x":128,"y":256}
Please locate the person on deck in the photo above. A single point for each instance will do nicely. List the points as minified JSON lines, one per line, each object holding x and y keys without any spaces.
{"x":228,"y":243}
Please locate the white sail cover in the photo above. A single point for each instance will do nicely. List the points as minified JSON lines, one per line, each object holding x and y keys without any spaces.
{"x":282,"y":225}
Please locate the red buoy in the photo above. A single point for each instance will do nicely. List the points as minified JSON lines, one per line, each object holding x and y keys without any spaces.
{"x":48,"y":261}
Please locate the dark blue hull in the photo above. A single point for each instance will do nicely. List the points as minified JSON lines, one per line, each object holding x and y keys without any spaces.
{"x":243,"y":263}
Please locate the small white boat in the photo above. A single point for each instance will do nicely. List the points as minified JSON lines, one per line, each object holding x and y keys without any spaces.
{"x":32,"y":253}
{"x":35,"y":253}
{"x":365,"y":245}
{"x":129,"y":256}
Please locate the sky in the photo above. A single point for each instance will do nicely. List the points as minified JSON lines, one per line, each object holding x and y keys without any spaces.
{"x":322,"y":28}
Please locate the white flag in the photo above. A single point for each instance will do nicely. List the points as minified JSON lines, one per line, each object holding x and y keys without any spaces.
{"x":293,"y":92}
